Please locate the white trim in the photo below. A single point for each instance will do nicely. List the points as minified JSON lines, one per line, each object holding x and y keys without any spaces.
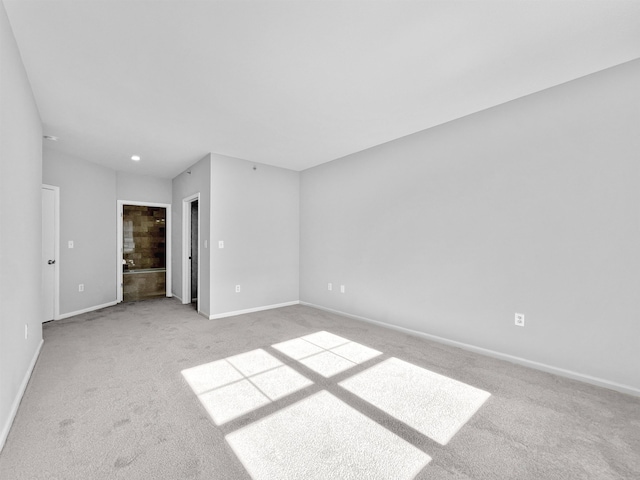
{"x":16,"y":401}
{"x":177,"y":297}
{"x":119,"y":276}
{"x":186,"y":249}
{"x":251,"y":310}
{"x":600,"y":382}
{"x":56,"y":240}
{"x":86,"y":310}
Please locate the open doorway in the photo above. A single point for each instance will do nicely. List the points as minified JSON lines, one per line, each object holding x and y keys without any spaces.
{"x":194,"y":253}
{"x":144,"y":255}
{"x":191,"y":251}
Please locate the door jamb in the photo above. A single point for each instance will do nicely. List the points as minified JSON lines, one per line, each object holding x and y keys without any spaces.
{"x":186,"y":249}
{"x":56,"y":249}
{"x":119,"y":252}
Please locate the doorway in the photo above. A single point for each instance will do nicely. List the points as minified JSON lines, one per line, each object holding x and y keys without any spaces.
{"x":191,"y":251}
{"x":194,"y":253}
{"x":50,"y":251}
{"x":144,"y":252}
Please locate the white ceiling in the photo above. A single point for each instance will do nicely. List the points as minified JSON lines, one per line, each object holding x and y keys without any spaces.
{"x":294,"y":83}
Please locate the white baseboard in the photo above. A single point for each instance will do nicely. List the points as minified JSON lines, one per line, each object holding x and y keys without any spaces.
{"x":600,"y":382}
{"x":86,"y":310}
{"x":16,"y":402}
{"x":251,"y":310}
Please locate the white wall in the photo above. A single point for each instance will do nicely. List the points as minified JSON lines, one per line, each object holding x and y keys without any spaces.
{"x":88,"y":218}
{"x":256,"y":213}
{"x":185,"y":185}
{"x":531,"y":207}
{"x":142,"y":188}
{"x":20,"y":227}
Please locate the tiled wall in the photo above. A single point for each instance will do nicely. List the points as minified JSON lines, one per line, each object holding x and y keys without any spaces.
{"x":143,"y":285}
{"x":144,"y":248}
{"x":144,"y":234}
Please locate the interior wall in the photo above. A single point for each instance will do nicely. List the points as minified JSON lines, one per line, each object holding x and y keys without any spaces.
{"x":88,"y":218}
{"x":255,"y":212}
{"x":195,"y":179}
{"x":20,"y":227}
{"x":528,"y":207}
{"x":143,"y":188}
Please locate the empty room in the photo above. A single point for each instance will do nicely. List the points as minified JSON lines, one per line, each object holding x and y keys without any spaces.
{"x":305,"y":239}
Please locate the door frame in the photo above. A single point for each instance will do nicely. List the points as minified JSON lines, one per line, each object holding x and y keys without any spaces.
{"x":186,"y":249}
{"x":119,"y":252}
{"x":56,"y":249}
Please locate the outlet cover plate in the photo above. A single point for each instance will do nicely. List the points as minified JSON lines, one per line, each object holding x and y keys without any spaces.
{"x":519,"y":320}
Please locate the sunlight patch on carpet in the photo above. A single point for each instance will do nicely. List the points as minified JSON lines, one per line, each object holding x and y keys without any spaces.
{"x":326,"y":353}
{"x":435,"y":405}
{"x":297,"y":348}
{"x":321,"y":437}
{"x":325,"y":340}
{"x":327,"y":364}
{"x":235,"y":386}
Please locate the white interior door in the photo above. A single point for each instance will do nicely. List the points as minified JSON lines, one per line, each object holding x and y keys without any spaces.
{"x":49,"y":265}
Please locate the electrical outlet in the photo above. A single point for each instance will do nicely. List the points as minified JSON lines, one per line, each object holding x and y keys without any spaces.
{"x":341,"y":288}
{"x":81,"y":287}
{"x":26,"y":331}
{"x":220,"y":243}
{"x":70,"y":244}
{"x":329,"y":286}
{"x":520,"y":319}
{"x":237,"y":288}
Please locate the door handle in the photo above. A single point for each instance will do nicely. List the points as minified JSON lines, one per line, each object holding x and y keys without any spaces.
{"x":51,"y":262}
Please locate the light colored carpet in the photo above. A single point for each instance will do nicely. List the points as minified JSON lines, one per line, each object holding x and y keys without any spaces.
{"x":152,"y":390}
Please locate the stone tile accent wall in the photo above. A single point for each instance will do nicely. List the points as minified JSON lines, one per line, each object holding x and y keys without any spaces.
{"x":144,"y":245}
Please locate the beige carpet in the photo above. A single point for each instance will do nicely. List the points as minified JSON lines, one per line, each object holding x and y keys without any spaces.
{"x":151,"y":390}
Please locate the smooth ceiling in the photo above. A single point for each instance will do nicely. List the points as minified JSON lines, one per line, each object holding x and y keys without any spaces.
{"x":294,"y":83}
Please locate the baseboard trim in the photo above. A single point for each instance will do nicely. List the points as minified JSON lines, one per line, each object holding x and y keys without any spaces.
{"x":16,"y":402}
{"x":600,"y":382}
{"x":86,"y":310}
{"x":251,"y":310}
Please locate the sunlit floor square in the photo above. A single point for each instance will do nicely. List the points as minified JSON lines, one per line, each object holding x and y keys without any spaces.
{"x":321,"y":437}
{"x":234,"y":386}
{"x":325,"y":339}
{"x":280,"y":382}
{"x":229,"y":402}
{"x":435,"y":405}
{"x":211,"y":375}
{"x":253,"y":362}
{"x":327,"y":364}
{"x":355,"y":352}
{"x":297,"y":348}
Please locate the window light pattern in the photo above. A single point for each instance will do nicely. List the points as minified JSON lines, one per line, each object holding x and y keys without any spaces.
{"x":237,"y":385}
{"x":435,"y":405}
{"x":326,"y":353}
{"x":321,"y":436}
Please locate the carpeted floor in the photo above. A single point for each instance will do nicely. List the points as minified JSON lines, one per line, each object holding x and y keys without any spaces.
{"x":151,"y":390}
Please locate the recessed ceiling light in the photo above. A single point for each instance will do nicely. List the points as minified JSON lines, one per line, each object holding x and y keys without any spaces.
{"x":135,"y":158}
{"x":50,"y":137}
